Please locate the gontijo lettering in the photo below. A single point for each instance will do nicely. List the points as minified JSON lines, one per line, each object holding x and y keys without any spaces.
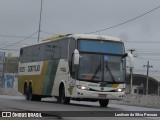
{"x":34,"y":68}
{"x":21,"y":69}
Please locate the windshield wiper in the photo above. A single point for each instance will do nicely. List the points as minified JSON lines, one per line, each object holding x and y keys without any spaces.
{"x":96,"y":71}
{"x":108,"y":69}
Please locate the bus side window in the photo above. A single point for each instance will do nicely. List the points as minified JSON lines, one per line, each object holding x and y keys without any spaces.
{"x":72,"y":47}
{"x":23,"y":55}
{"x":57,"y":50}
{"x":52,"y":51}
{"x":64,"y":48}
{"x":41,"y":52}
{"x":35,"y":53}
{"x":49,"y":51}
{"x":21,"y":52}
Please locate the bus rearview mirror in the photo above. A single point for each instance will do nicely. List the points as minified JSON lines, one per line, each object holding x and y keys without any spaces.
{"x":76,"y":57}
{"x":131,"y":60}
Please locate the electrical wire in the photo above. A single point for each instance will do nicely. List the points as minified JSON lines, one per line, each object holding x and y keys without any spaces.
{"x":145,"y":58}
{"x":117,"y":25}
{"x":93,"y":31}
{"x":48,"y":33}
{"x":10,"y":49}
{"x":19,"y":41}
{"x":141,"y":41}
{"x":15,"y":36}
{"x":2,"y":44}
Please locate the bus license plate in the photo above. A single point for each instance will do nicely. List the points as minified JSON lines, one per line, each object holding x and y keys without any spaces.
{"x":102,"y":95}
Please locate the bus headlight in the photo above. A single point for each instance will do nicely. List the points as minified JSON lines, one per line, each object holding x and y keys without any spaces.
{"x":120,"y":90}
{"x":82,"y":87}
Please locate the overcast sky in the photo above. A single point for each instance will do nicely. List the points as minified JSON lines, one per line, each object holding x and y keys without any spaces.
{"x":20,"y":19}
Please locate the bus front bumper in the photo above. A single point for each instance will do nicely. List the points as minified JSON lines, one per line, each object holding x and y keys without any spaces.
{"x":99,"y":95}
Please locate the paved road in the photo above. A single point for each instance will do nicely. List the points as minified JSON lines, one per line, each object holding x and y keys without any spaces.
{"x":18,"y":103}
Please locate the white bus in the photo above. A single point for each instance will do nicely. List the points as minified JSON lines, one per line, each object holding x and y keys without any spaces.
{"x":74,"y":67}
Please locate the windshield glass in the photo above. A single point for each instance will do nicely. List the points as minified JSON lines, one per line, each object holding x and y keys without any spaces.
{"x":101,"y":46}
{"x":114,"y":68}
{"x":98,"y":67}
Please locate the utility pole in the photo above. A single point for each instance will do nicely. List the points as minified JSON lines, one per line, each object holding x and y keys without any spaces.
{"x":131,"y":50}
{"x":148,"y":66}
{"x":39,"y":30}
{"x":3,"y":75}
{"x":131,"y":72}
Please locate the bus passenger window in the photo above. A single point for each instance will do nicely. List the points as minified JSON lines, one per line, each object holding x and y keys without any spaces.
{"x":21,"y":52}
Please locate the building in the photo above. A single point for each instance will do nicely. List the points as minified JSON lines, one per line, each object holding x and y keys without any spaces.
{"x":139,"y":84}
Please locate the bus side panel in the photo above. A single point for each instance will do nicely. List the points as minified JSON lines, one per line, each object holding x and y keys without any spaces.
{"x":62,"y":76}
{"x":42,"y":82}
{"x":20,"y":84}
{"x":37,"y":82}
{"x":31,"y":73}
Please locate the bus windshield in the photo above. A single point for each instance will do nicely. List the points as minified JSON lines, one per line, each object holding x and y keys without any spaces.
{"x":101,"y":46}
{"x":103,"y":66}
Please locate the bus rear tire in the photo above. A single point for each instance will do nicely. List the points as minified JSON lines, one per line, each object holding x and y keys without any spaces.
{"x":104,"y":103}
{"x":61,"y":97}
{"x":32,"y":97}
{"x":26,"y":92}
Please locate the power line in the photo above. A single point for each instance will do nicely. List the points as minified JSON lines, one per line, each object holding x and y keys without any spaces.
{"x":25,"y":37}
{"x":2,"y":44}
{"x":15,"y":36}
{"x":126,"y":21}
{"x":19,"y":41}
{"x":146,"y":49}
{"x":144,"y":58}
{"x":10,"y":49}
{"x":49,"y":33}
{"x":141,"y":42}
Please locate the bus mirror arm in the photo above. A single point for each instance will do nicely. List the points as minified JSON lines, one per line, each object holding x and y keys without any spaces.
{"x":125,"y":55}
{"x":130,"y":59}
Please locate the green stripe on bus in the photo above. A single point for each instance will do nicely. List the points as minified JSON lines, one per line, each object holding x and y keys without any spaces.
{"x":50,"y":76}
{"x":110,"y":85}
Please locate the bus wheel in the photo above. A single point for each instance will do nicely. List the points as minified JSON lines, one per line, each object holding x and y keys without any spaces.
{"x":32,"y":97}
{"x":103,"y":103}
{"x":62,"y":98}
{"x":26,"y":92}
{"x":36,"y":97}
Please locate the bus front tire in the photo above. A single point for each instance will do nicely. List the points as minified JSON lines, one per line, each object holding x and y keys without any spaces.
{"x":61,"y":97}
{"x":103,"y":103}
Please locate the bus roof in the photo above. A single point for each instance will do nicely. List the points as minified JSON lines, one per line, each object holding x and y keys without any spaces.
{"x":84,"y":36}
{"x":76,"y":36}
{"x":91,"y":36}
